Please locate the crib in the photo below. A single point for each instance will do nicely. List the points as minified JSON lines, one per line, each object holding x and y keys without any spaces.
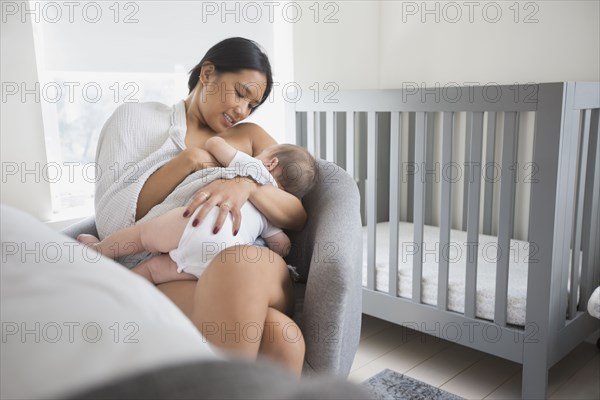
{"x":480,"y":209}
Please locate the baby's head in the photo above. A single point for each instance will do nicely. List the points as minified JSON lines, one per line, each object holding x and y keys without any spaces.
{"x":293,"y":167}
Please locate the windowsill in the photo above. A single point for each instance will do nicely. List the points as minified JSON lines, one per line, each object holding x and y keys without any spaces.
{"x":68,"y":216}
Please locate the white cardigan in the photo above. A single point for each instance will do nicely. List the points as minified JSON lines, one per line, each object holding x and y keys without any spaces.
{"x":135,"y":141}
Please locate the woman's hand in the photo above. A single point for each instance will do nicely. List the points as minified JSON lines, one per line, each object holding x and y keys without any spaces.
{"x":228,"y":195}
{"x":199,"y":158}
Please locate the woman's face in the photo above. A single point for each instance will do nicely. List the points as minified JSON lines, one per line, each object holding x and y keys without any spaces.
{"x":221,"y":100}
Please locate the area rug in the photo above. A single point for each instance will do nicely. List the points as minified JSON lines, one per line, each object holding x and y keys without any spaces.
{"x":389,"y":384}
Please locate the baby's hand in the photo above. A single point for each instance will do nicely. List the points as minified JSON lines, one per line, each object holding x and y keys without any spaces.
{"x":201,"y":159}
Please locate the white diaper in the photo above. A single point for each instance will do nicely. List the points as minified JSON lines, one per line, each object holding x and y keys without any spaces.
{"x":198,"y":245}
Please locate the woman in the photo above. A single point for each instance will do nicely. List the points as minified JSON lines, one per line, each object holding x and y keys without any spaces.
{"x":242,"y":301}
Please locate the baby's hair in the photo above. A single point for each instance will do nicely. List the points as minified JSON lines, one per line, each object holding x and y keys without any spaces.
{"x":298,"y":169}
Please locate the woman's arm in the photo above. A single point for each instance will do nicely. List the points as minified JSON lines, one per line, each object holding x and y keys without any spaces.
{"x":280,"y":207}
{"x":162,"y":182}
{"x":289,"y":212}
{"x":279,"y":243}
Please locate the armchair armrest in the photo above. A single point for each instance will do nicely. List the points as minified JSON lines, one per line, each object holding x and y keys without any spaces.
{"x":86,"y":225}
{"x":328,"y":254}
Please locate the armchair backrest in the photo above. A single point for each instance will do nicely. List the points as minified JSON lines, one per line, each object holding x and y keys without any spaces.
{"x":333,"y":208}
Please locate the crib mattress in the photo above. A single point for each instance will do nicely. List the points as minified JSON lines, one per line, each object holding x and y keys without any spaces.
{"x":458,"y":255}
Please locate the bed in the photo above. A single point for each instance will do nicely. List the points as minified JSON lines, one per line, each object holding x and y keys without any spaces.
{"x":506,"y":175}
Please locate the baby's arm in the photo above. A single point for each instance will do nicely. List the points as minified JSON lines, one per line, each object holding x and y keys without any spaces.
{"x":221,"y":150}
{"x":279,"y":243}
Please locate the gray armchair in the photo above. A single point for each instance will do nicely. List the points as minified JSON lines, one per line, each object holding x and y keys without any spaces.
{"x":328,"y":255}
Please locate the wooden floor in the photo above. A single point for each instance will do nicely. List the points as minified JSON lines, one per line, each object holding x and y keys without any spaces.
{"x":466,"y":372}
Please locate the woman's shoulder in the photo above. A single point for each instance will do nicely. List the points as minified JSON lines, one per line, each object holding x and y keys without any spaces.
{"x":153,"y":108}
{"x":254,"y":133}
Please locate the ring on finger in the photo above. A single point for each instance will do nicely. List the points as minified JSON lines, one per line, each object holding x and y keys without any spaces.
{"x":205,"y":195}
{"x":225,"y":204}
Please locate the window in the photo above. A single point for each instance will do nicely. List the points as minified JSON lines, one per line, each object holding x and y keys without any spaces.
{"x":76,"y":106}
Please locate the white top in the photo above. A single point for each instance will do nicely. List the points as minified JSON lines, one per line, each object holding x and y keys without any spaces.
{"x":135,"y":141}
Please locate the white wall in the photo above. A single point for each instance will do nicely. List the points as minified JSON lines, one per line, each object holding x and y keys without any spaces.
{"x":559,"y":42}
{"x":22,"y":148}
{"x":395,"y":44}
{"x":383,"y":44}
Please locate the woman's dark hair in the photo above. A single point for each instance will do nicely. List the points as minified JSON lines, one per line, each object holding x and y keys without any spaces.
{"x":233,"y":55}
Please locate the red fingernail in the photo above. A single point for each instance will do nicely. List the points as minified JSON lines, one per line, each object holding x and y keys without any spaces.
{"x":235,"y":233}
{"x":186,"y":213}
{"x":215,"y":230}
{"x":195,"y":223}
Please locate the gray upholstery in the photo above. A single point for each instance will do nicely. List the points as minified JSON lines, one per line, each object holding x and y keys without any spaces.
{"x":328,"y":255}
{"x":223,"y":380}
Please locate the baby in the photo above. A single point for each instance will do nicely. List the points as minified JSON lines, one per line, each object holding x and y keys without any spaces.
{"x":190,"y":249}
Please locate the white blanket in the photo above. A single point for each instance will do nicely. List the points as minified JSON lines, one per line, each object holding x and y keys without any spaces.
{"x":72,"y":319}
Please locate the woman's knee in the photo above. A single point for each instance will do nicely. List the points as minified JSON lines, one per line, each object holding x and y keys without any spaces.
{"x":283,"y":340}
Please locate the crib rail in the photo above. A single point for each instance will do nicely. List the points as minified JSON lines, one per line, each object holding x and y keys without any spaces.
{"x":563,"y":218}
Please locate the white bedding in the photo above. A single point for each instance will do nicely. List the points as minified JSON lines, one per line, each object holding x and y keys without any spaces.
{"x":486,"y":270}
{"x":71,"y":319}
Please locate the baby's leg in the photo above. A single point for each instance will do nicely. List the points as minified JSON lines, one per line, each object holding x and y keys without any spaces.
{"x":162,"y":234}
{"x":158,"y":235}
{"x":161,"y":269}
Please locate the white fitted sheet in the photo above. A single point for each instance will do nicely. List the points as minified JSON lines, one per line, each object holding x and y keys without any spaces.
{"x":486,"y":270}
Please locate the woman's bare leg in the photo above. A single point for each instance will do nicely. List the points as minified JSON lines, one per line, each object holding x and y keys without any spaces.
{"x":283,"y":342}
{"x":289,"y":353}
{"x":234,"y":293}
{"x":221,"y":297}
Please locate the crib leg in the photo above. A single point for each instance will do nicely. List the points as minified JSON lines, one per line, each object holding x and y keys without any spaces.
{"x":534,"y":379}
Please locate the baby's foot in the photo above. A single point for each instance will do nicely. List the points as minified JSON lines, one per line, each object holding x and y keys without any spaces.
{"x":88,"y":240}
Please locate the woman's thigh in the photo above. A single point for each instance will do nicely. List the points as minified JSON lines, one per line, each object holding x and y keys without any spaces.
{"x":240,"y":270}
{"x":248,"y":268}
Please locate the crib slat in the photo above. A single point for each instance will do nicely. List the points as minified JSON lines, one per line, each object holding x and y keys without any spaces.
{"x":410,"y":176}
{"x":446,"y":207}
{"x":318,"y":135}
{"x":310,"y":132}
{"x":350,"y":143}
{"x":395,"y":151}
{"x":429,"y":174}
{"x":419,"y":206}
{"x":592,"y":204}
{"x":506,"y":218}
{"x":580,"y":194}
{"x":467,"y":171}
{"x":371,"y":198}
{"x":330,"y":136}
{"x":567,"y":179}
{"x":488,"y":196}
{"x":473,"y":212}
